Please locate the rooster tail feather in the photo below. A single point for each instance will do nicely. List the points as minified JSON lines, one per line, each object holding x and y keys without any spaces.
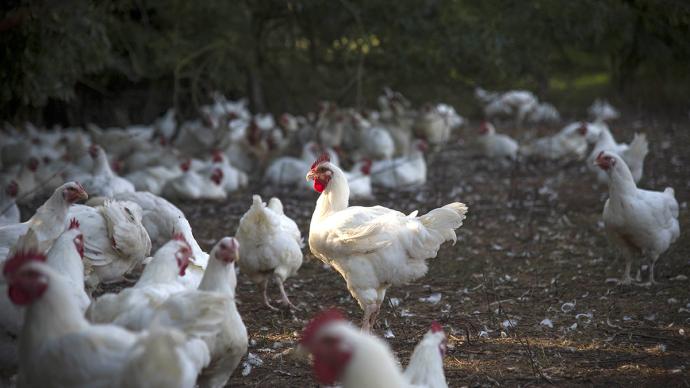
{"x":445,"y":220}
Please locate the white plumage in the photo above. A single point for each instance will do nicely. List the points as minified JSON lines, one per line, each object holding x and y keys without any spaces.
{"x":116,"y":241}
{"x":374,"y":247}
{"x":638,"y":222}
{"x":272,"y":245}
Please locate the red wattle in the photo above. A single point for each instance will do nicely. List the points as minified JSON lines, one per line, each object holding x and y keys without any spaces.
{"x":319,"y":185}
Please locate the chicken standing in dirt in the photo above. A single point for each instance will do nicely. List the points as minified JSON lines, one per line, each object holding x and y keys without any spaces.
{"x":638,"y":222}
{"x":271,"y":246}
{"x":374,"y":247}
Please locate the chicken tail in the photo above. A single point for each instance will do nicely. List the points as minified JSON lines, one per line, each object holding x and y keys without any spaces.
{"x":124,"y":222}
{"x":637,"y":151}
{"x":445,"y":220}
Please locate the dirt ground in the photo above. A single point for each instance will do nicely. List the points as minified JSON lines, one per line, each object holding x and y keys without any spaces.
{"x":532,"y":250}
{"x":523,"y":294}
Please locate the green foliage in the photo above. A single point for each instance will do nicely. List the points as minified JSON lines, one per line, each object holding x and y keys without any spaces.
{"x":286,"y":54}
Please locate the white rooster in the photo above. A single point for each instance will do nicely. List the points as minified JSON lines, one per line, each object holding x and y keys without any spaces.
{"x":272,"y":246}
{"x":59,"y":348}
{"x":373,"y":247}
{"x":638,"y":222}
{"x":116,"y":241}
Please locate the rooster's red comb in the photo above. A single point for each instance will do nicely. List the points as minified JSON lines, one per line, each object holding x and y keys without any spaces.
{"x":323,"y":158}
{"x":74,"y":223}
{"x":436,"y":327}
{"x":19,"y":259}
{"x":316,"y":323}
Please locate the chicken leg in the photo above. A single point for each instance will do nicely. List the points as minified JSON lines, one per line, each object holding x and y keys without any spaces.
{"x":266,"y":300}
{"x":627,"y":279}
{"x":285,"y":300}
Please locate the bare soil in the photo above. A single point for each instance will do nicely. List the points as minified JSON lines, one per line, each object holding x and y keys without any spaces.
{"x":532,"y":248}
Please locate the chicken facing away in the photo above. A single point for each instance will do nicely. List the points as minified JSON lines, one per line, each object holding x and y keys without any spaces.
{"x":59,"y":348}
{"x":48,"y":222}
{"x":341,"y":353}
{"x":638,"y":222}
{"x":272,"y":246}
{"x":374,"y":248}
{"x":116,"y":241}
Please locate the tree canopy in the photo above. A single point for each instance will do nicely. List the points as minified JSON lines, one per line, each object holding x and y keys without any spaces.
{"x":72,"y":61}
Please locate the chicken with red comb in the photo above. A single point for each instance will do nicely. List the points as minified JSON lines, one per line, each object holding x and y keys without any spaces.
{"x":639,"y":223}
{"x":48,"y":222}
{"x":343,"y":354}
{"x":374,"y":247}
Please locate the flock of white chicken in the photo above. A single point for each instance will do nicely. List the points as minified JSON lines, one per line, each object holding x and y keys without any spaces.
{"x":180,"y":315}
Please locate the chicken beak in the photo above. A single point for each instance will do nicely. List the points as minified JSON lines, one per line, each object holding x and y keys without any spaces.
{"x":311,"y":175}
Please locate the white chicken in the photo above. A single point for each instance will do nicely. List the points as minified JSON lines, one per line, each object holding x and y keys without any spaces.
{"x":496,"y":145}
{"x":272,"y":246}
{"x":633,"y":154}
{"x":359,"y":180}
{"x":432,"y":126}
{"x":341,"y":353}
{"x":27,"y":181}
{"x":164,"y":359}
{"x":602,"y":110}
{"x":195,"y":184}
{"x":59,"y":348}
{"x":638,"y":222}
{"x":162,"y":221}
{"x":373,"y":141}
{"x":116,"y":241}
{"x":9,"y":212}
{"x":566,"y":143}
{"x":153,"y":179}
{"x":426,"y":363}
{"x":103,"y":181}
{"x":229,"y":343}
{"x":48,"y":222}
{"x":374,"y":247}
{"x":404,"y":172}
{"x":233,"y":179}
{"x":65,"y":256}
{"x":134,"y":307}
